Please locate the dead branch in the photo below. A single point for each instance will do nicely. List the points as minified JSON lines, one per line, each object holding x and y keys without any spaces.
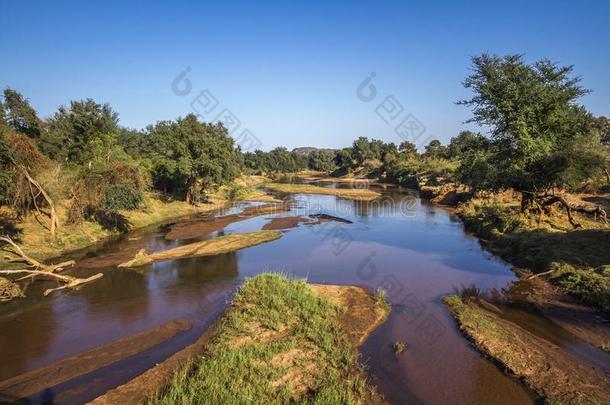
{"x":544,"y":273}
{"x":23,"y":258}
{"x":74,"y":283}
{"x":54,"y":223}
{"x":37,"y":269}
{"x":548,"y":200}
{"x":42,"y":273}
{"x":52,"y":215}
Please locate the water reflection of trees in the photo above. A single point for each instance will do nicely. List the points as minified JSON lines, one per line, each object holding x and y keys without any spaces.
{"x":388,"y":205}
{"x":195,"y":278}
{"x":197,"y":271}
{"x":121,"y":294}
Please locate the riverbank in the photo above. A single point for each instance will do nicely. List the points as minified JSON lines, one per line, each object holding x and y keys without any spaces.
{"x":348,"y":193}
{"x":283,"y":340}
{"x":35,"y":240}
{"x":553,"y":374}
{"x":576,"y":260}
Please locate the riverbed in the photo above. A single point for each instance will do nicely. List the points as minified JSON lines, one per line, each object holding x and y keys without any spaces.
{"x":415,"y":251}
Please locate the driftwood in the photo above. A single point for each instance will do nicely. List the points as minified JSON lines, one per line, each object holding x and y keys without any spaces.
{"x":38,"y":269}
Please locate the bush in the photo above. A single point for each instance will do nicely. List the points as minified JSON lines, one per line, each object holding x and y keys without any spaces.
{"x":123,"y":197}
{"x":591,"y":287}
{"x":234,"y":192}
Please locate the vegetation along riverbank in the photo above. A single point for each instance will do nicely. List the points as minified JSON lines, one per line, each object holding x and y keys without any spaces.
{"x":534,"y":186}
{"x":284,"y":340}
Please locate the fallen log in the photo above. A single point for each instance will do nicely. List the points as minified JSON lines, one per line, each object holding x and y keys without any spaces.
{"x":548,"y":200}
{"x":37,"y":269}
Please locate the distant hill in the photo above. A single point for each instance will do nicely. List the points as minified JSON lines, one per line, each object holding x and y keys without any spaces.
{"x":306,"y":150}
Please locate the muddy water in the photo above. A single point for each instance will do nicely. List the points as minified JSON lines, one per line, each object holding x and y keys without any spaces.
{"x":415,"y":251}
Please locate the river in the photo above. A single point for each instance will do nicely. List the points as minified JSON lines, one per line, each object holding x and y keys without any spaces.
{"x":416,"y":251}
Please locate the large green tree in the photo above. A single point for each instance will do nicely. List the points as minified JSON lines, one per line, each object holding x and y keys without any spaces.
{"x":189,"y":157}
{"x":435,"y":149}
{"x":540,"y":137}
{"x":19,"y":115}
{"x":72,"y":129}
{"x":322,"y":160}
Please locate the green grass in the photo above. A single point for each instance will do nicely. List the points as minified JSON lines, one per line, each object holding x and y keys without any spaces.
{"x":573,"y":254}
{"x":276,"y":330}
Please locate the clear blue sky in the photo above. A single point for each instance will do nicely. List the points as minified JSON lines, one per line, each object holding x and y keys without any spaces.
{"x":287,"y":70}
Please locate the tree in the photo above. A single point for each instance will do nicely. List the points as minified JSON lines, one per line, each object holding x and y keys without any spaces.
{"x":344,"y":159}
{"x":72,"y":129}
{"x":408,"y":149}
{"x":435,"y":149}
{"x":322,"y":160}
{"x":389,"y":152}
{"x":19,"y":115}
{"x":133,"y":142}
{"x":461,"y":144}
{"x":190,"y":157}
{"x":603,"y":126}
{"x":539,"y":134}
{"x":361,"y":150}
{"x":20,"y":161}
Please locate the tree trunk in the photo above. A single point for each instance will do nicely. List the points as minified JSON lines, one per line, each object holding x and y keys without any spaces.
{"x":52,"y":212}
{"x":528,"y":201}
{"x":193,"y":192}
{"x":607,"y":175}
{"x":54,"y":223}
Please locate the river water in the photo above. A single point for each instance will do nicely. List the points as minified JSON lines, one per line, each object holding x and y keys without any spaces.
{"x":415,"y":251}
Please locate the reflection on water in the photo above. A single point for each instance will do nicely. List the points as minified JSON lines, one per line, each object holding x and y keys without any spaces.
{"x":415,"y":251}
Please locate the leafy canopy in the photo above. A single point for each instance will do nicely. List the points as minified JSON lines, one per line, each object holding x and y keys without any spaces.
{"x":186,"y":150}
{"x":539,"y":135}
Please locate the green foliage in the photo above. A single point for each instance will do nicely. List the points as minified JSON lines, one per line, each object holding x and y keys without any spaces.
{"x":539,"y":135}
{"x":72,"y":130}
{"x":602,"y":124}
{"x":123,"y":197}
{"x":464,"y":143}
{"x":345,"y":159}
{"x":189,"y":157}
{"x":435,"y":149}
{"x":235,"y":192}
{"x":322,"y":160}
{"x":408,"y":149}
{"x":278,"y":160}
{"x":19,"y":115}
{"x":491,"y":219}
{"x":133,"y":142}
{"x":586,"y":284}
